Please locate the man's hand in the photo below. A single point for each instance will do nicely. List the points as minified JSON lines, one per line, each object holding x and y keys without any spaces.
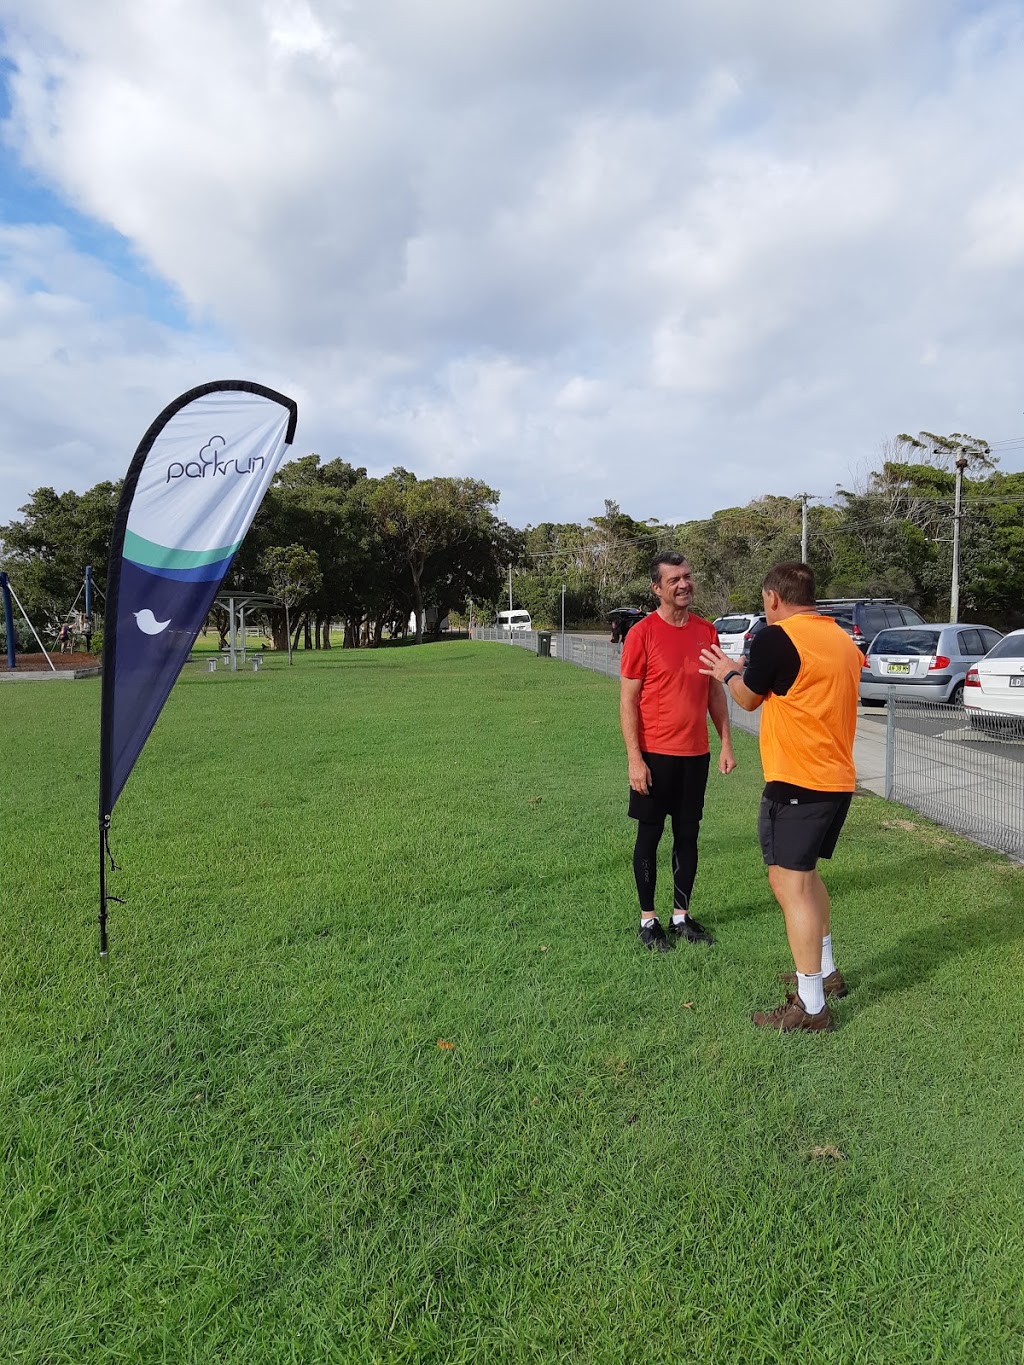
{"x":726,"y":759}
{"x":716,"y":664}
{"x":640,"y":776}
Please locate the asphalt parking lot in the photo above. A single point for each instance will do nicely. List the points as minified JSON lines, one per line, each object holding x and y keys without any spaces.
{"x":948,"y":723}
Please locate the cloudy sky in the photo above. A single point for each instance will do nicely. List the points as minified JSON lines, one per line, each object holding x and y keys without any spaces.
{"x":677,"y":253}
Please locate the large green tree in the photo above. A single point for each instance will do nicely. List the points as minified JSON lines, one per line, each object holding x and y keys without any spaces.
{"x":322,"y":507}
{"x":444,"y":533}
{"x":893,"y":535}
{"x":293,"y":573}
{"x":731,"y":551}
{"x":47,"y":550}
{"x":603,"y":564}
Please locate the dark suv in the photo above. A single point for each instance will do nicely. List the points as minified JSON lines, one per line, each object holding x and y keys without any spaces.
{"x":863,"y":617}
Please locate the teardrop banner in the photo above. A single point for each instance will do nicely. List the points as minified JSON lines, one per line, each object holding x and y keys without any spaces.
{"x":190,"y":494}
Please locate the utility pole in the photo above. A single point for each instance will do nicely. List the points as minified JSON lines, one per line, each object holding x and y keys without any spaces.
{"x":561,"y":646}
{"x":803,"y":526}
{"x":954,"y":593}
{"x":510,"y":601}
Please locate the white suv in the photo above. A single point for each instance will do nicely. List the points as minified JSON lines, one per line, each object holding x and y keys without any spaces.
{"x":731,"y":630}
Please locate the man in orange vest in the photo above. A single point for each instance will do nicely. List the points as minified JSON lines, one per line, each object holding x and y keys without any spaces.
{"x":805,"y":673}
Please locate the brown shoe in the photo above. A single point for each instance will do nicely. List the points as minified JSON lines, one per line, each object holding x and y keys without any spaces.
{"x":793,"y":1018}
{"x":834,"y":985}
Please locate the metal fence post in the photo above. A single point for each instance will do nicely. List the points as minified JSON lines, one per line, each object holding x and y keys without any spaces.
{"x":890,"y":746}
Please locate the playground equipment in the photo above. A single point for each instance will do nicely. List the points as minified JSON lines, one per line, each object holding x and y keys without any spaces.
{"x":8,"y":593}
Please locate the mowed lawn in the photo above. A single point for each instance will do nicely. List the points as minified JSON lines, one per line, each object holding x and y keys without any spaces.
{"x":377,"y":1070}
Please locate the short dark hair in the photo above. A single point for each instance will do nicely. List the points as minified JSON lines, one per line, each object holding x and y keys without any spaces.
{"x":672,"y":557}
{"x":793,"y":581}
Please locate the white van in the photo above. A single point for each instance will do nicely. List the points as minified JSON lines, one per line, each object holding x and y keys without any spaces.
{"x":514,"y":620}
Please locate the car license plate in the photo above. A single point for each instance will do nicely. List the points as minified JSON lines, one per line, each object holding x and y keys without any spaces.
{"x":897,"y":668}
{"x":1017,"y":682}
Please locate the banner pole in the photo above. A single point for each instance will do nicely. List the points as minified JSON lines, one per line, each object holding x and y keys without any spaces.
{"x":104,"y":826}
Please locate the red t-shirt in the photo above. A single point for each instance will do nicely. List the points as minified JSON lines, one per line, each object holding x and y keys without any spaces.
{"x":674,"y":695}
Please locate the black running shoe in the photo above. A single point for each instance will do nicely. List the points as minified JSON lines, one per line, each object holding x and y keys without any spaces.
{"x":691,"y":931}
{"x":653,"y":936}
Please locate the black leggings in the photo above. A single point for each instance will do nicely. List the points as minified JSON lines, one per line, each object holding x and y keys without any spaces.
{"x":684,"y":861}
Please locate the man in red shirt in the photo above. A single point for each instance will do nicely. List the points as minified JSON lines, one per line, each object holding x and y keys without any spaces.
{"x":664,"y":704}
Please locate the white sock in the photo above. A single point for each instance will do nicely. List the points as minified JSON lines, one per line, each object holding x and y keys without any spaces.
{"x":828,"y":962}
{"x":811,"y":991}
{"x":647,"y":919}
{"x":678,"y":916}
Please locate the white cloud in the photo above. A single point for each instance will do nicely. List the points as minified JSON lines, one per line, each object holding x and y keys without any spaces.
{"x":559,"y":246}
{"x":996,"y":226}
{"x":82,"y":373}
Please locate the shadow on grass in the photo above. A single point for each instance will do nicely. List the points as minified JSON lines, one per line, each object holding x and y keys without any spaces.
{"x":918,"y":955}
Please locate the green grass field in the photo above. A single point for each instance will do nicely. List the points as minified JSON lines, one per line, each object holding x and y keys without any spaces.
{"x":241,"y":1140}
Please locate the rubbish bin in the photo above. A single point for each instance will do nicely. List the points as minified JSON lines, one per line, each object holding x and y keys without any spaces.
{"x":544,"y":644}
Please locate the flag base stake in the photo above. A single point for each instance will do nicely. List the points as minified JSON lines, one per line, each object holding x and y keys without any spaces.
{"x":104,"y":851}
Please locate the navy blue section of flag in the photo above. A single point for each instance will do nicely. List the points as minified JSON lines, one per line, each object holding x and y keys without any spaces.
{"x":158,"y":620}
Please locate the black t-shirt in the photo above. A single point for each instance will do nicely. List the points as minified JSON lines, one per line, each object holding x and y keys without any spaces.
{"x":773,"y":667}
{"x":774,"y":662}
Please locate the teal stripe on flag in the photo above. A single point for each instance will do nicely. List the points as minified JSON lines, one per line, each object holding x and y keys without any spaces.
{"x":153,"y":556}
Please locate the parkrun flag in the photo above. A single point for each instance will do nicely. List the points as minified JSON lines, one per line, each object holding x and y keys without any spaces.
{"x":189,"y":497}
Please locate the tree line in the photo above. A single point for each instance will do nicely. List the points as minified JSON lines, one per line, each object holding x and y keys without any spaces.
{"x":889,"y":536}
{"x":333,"y":545}
{"x":338,"y":548}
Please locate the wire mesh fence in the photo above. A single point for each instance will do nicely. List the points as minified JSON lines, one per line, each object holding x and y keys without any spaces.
{"x":526,"y":639}
{"x":600,"y":656}
{"x":743,"y":720}
{"x":586,"y":651}
{"x":959,"y":769}
{"x":962,"y":772}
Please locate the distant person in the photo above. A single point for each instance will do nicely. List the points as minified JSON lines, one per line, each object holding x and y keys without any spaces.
{"x":87,"y":633}
{"x":616,"y":636}
{"x":806,"y":674}
{"x":664,"y":706}
{"x":64,"y":638}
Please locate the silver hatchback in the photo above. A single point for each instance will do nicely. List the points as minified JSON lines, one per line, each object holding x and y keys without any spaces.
{"x":928,"y":663}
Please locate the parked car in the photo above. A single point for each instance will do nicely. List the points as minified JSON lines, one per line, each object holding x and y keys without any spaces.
{"x":994,"y":689}
{"x":623,"y":619}
{"x":863,"y":617}
{"x":731,"y":630}
{"x":928,"y":662}
{"x":758,"y":624}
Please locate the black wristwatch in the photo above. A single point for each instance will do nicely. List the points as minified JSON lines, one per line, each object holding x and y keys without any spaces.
{"x":734,"y":673}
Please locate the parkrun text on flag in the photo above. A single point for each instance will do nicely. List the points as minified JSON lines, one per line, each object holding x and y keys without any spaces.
{"x":190,"y":494}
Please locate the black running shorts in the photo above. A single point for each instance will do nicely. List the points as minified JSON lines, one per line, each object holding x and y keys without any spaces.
{"x":677,"y":789}
{"x":795,"y":833}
